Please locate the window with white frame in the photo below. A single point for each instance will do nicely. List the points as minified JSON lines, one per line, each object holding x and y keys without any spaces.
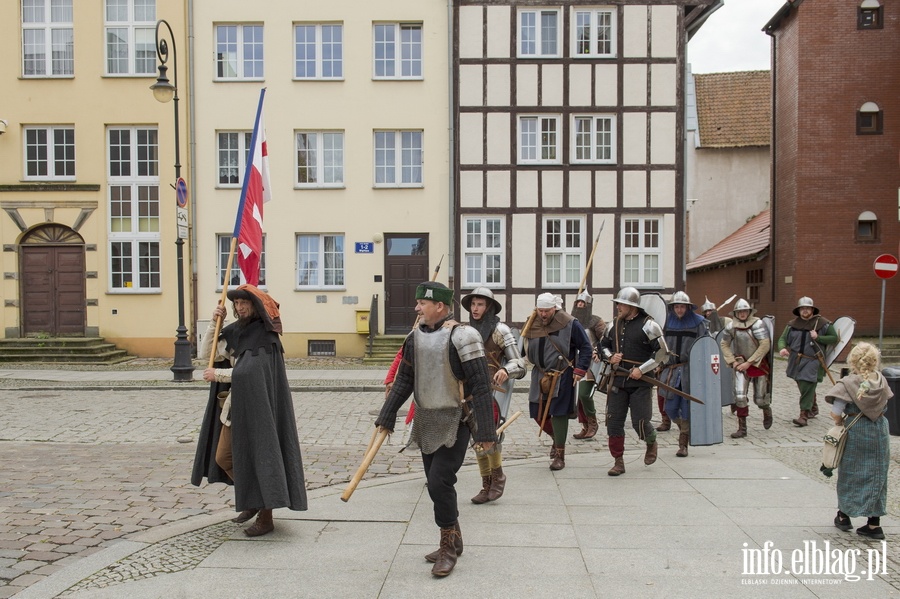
{"x":564,"y":246}
{"x":398,"y":159}
{"x":539,"y":139}
{"x":539,"y":33}
{"x":130,"y":31}
{"x":232,"y":151}
{"x":320,"y":158}
{"x":134,"y":220}
{"x":319,"y":51}
{"x":50,"y":153}
{"x":397,"y":50}
{"x":641,"y":251}
{"x":484,"y":251}
{"x":593,"y":138}
{"x":236,"y":277}
{"x":48,"y":39}
{"x":593,"y":33}
{"x":320,"y":261}
{"x":239,"y":51}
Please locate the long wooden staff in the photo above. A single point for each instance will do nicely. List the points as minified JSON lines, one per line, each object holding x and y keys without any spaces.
{"x":212,"y":352}
{"x":374,"y":446}
{"x":587,"y":268}
{"x":509,"y":421}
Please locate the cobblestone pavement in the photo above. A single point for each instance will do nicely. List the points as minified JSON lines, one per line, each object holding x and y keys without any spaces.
{"x":80,"y":469}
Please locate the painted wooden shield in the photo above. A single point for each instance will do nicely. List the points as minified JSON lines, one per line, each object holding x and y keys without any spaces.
{"x":654,"y":305}
{"x":769,"y":321}
{"x":727,"y":374}
{"x":706,"y":384}
{"x":844,"y":327}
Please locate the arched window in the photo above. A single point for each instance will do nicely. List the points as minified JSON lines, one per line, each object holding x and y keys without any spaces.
{"x":869,"y":119}
{"x":869,"y":15}
{"x":867,"y":227}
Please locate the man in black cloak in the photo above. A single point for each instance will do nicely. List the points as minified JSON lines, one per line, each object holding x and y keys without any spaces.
{"x":249,"y":437}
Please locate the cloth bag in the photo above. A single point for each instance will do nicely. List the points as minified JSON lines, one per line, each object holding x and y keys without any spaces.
{"x":833,"y":450}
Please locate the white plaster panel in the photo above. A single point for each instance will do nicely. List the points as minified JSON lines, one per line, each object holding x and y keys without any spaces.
{"x":498,"y":31}
{"x":471,"y":189}
{"x":580,"y":189}
{"x":634,"y":92}
{"x":662,"y":138}
{"x":551,"y":85}
{"x":498,"y":85}
{"x":662,"y":189}
{"x":602,"y":266}
{"x":635,"y":31}
{"x":526,"y":85}
{"x":526,"y":189}
{"x":498,"y":151}
{"x":607,"y":85}
{"x":471,"y":31}
{"x":606,"y":189}
{"x":668,"y":236}
{"x":470,"y":85}
{"x":634,"y":134}
{"x":524,"y":239}
{"x":498,"y":189}
{"x":552,"y":189}
{"x":634,"y":189}
{"x":580,"y":85}
{"x":471,"y":138}
{"x":664,"y":28}
{"x":663,"y":81}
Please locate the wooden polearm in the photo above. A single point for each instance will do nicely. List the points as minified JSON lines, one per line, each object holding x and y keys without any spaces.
{"x":587,"y":267}
{"x":212,"y":353}
{"x":374,"y":445}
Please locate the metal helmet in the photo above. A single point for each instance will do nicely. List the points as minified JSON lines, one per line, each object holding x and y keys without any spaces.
{"x":740,"y":305}
{"x":805,"y":302}
{"x":585,"y":297}
{"x":481,"y":292}
{"x":629,"y":296}
{"x":708,"y":305}
{"x":680,"y":297}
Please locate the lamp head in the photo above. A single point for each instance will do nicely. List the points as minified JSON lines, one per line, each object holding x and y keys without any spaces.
{"x":163,"y":90}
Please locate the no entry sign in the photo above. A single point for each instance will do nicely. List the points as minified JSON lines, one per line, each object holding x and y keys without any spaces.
{"x":885,"y":266}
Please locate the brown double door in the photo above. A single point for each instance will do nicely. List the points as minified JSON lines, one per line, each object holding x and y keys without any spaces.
{"x":405,"y":266}
{"x":53,"y":293}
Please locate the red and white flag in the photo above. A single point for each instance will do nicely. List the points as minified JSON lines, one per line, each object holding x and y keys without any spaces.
{"x":257,"y":190}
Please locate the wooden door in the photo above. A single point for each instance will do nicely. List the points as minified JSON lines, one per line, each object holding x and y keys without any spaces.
{"x":405,"y":266}
{"x":52,"y":288}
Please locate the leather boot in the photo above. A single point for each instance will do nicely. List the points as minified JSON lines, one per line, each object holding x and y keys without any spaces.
{"x":814,"y":411}
{"x":650,"y":454}
{"x":482,"y":496}
{"x":583,"y":433}
{"x":618,"y":468}
{"x":498,"y":483}
{"x":559,"y":461}
{"x":446,"y":558}
{"x":432,"y":557}
{"x":553,"y":452}
{"x":683,"y":437}
{"x":742,"y":428}
{"x":262,"y":526}
{"x":244,"y":516}
{"x":666,"y":424}
{"x":801,"y":420}
{"x":590,"y":429}
{"x":767,"y":418}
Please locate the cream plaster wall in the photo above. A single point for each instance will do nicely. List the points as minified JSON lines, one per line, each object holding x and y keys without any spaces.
{"x":664,"y":25}
{"x":498,"y":43}
{"x":635,"y":84}
{"x":498,"y":136}
{"x":634,"y":125}
{"x":635,"y":31}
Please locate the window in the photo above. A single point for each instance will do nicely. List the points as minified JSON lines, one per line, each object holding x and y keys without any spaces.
{"x":320,"y":261}
{"x":641,"y":251}
{"x":398,"y":51}
{"x":484,"y":251}
{"x":236,"y":278}
{"x":869,"y":119}
{"x":239,"y":51}
{"x":133,"y":209}
{"x":130,"y":29}
{"x":320,"y":158}
{"x":318,"y":51}
{"x":539,"y":139}
{"x":48,"y":44}
{"x":754,"y":284}
{"x":563,"y":251}
{"x":398,"y":158}
{"x":233,"y":151}
{"x":593,"y":33}
{"x":593,"y":138}
{"x":50,"y":153}
{"x":867,"y":227}
{"x":869,"y":15}
{"x":539,"y":33}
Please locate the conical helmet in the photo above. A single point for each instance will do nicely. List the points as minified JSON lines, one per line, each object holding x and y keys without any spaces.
{"x":805,"y":302}
{"x":629,"y":296}
{"x":707,"y":305}
{"x":585,"y":297}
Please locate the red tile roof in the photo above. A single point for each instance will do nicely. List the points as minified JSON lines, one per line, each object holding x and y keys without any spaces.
{"x":750,"y":242}
{"x":734,"y":110}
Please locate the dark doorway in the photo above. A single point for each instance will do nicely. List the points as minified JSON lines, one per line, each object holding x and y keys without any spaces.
{"x":405,"y":266}
{"x":52,"y":284}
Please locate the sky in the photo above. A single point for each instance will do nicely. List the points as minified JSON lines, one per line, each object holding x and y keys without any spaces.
{"x":732,"y":38}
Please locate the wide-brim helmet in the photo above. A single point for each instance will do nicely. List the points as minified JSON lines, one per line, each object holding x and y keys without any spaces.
{"x":628,"y":296}
{"x":740,"y":306}
{"x":481,"y":292}
{"x":680,"y":297}
{"x":805,"y":302}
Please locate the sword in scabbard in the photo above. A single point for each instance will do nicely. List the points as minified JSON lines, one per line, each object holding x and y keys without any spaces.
{"x":660,"y":384}
{"x":554,"y":377}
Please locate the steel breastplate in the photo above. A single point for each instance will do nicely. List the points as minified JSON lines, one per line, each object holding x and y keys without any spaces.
{"x":437,"y":388}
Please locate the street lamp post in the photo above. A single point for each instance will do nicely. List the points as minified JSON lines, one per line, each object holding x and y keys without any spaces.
{"x":164,"y":91}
